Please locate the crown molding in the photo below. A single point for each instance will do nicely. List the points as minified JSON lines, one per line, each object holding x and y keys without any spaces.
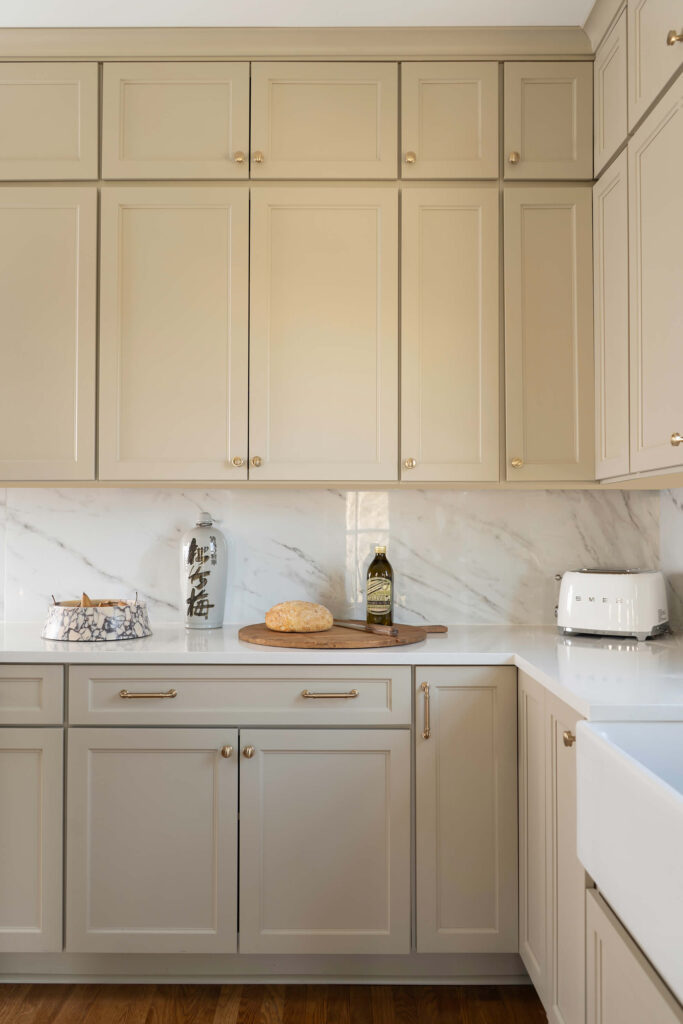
{"x":600,"y":19}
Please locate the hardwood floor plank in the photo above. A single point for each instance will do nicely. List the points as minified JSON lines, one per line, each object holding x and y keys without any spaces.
{"x":76,"y":1006}
{"x":522,"y":1005}
{"x":183,"y":1004}
{"x":382,"y":1004}
{"x":337,"y":1009}
{"x":228,"y":1006}
{"x":427,"y":1002}
{"x":272,"y":1004}
{"x":405,"y":1006}
{"x":295,"y":1004}
{"x":11,"y":998}
{"x":360,"y":1003}
{"x":250,"y":1004}
{"x":120,"y":1004}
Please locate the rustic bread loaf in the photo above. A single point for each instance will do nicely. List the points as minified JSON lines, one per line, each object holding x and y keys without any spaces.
{"x":298,"y":617}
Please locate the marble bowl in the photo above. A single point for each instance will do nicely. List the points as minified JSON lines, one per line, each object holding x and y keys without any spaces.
{"x":68,"y":620}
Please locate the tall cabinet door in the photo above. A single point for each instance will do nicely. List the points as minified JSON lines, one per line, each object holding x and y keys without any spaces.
{"x":549,"y":333}
{"x":31,"y":840}
{"x":324,"y":333}
{"x":325,"y":841}
{"x":655,"y":158}
{"x":174,"y":333}
{"x":152,"y":841}
{"x":48,"y":259}
{"x":449,"y":334}
{"x":653,"y":56}
{"x":466,"y":810}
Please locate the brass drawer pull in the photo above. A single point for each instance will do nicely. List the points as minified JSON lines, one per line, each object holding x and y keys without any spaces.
{"x":676,"y":439}
{"x":226,"y":751}
{"x":427,"y":731}
{"x":249,"y":752}
{"x":568,"y":738}
{"x":351,"y":693}
{"x":673,"y":36}
{"x":411,"y":157}
{"x":514,"y":157}
{"x":127,"y":695}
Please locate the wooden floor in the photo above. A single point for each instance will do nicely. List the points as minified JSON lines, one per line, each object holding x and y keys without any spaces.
{"x":268,"y":1004}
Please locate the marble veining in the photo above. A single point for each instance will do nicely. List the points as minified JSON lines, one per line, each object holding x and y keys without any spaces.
{"x":671,"y":548}
{"x":468,"y":557}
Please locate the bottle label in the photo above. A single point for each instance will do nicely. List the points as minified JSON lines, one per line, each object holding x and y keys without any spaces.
{"x":379,"y":596}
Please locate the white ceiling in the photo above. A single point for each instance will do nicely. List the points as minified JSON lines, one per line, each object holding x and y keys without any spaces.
{"x":101,"y":13}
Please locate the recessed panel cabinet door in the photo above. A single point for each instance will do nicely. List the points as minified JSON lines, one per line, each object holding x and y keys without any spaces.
{"x":325,"y":841}
{"x":173,"y":333}
{"x":466,"y":810}
{"x":549,"y":120}
{"x":549,"y":333}
{"x":655,"y":158}
{"x":152,"y":841}
{"x":31,"y":840}
{"x":48,"y":121}
{"x":655,"y":51}
{"x":450,"y":334}
{"x":175,"y":120}
{"x":324,"y":120}
{"x":324,"y":333}
{"x":609,"y":88}
{"x":449,"y":118}
{"x":48,"y":259}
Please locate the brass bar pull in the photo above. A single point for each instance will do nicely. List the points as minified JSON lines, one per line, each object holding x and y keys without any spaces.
{"x":568,"y":738}
{"x":351,"y":693}
{"x":427,"y":731}
{"x":127,"y":695}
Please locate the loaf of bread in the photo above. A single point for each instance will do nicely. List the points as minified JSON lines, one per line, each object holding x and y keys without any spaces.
{"x":298,"y":617}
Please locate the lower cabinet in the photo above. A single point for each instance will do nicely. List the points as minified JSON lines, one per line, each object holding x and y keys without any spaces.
{"x":466,"y":810}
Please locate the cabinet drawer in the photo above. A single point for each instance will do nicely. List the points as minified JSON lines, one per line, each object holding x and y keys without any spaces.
{"x":31,"y":694}
{"x":211,"y":695}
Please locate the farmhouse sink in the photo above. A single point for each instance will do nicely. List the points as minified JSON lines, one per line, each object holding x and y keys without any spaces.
{"x":630,"y":831}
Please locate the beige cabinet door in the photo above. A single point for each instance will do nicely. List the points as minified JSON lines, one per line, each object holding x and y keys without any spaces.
{"x":548,"y":120}
{"x":31,"y":840}
{"x":175,"y":120}
{"x":449,"y":333}
{"x":549,"y":333}
{"x":655,"y":158}
{"x":324,"y":333}
{"x":48,"y":121}
{"x":466,"y":810}
{"x":655,"y":51}
{"x":152,"y":841}
{"x":610,"y":312}
{"x":609,"y":89}
{"x":48,"y":259}
{"x":174,"y":333}
{"x":449,"y":119}
{"x":325,"y":841}
{"x":324,"y":120}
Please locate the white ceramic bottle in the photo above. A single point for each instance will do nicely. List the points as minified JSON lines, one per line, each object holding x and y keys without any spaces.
{"x":203,"y":574}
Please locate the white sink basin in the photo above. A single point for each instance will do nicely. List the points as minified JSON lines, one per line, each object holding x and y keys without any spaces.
{"x":630,"y":831}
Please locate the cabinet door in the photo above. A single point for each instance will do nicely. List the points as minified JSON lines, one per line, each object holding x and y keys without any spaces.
{"x":533,"y":835}
{"x":549,"y":333}
{"x":549,"y":120}
{"x":324,"y":120}
{"x":325,"y":841}
{"x":609,"y":87}
{"x":652,"y":59}
{"x":324,"y":333}
{"x":566,"y":876}
{"x":449,"y":118}
{"x":655,"y":158}
{"x":449,"y":334}
{"x":610,"y":312}
{"x":48,"y":259}
{"x":48,"y":121}
{"x":173,"y":333}
{"x":31,"y":782}
{"x":175,"y":120}
{"x":466,"y":810}
{"x":152,"y":841}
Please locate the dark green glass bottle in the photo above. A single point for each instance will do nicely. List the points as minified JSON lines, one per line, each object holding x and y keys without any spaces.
{"x":380,"y":590}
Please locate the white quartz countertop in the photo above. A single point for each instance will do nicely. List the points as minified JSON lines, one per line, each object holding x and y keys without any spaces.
{"x":602,"y":679}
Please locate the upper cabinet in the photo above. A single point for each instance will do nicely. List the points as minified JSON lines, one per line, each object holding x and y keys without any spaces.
{"x":175,"y":120}
{"x":449,"y":119}
{"x":48,"y":121}
{"x":324,"y":333}
{"x":548,"y":120}
{"x":173,"y":333}
{"x":324,"y":120}
{"x":609,"y":84}
{"x":549,"y":333}
{"x":655,"y":51}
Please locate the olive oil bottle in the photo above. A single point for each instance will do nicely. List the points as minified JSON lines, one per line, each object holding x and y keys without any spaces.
{"x":380,"y":590}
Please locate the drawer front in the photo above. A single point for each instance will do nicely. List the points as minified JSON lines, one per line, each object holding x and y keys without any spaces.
{"x":31,"y":694}
{"x":219,"y":695}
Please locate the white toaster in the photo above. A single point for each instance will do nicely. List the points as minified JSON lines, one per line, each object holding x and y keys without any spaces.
{"x":613,"y":602}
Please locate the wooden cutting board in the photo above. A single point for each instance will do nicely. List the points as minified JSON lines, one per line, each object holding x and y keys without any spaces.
{"x":336,"y":638}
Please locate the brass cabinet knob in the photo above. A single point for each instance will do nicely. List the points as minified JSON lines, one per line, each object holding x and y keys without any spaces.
{"x":237,"y":461}
{"x":568,"y":738}
{"x":673,"y":36}
{"x":409,"y":463}
{"x":239,"y":157}
{"x":249,"y":751}
{"x":258,"y":157}
{"x":226,"y":751}
{"x":676,"y":439}
{"x":514,"y":157}
{"x":256,"y":461}
{"x":516,"y":463}
{"x":411,"y":157}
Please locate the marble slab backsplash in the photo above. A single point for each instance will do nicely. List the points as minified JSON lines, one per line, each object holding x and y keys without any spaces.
{"x":671,"y":552}
{"x":468,"y":557}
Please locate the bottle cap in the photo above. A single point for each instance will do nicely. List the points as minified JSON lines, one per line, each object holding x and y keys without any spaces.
{"x":204,"y":519}
{"x":380,"y":549}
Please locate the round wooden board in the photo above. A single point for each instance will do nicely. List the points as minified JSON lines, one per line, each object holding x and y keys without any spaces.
{"x":336,"y":638}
